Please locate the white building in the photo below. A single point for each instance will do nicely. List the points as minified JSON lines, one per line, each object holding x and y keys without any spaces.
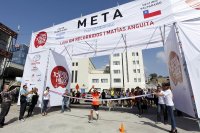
{"x":126,"y":71}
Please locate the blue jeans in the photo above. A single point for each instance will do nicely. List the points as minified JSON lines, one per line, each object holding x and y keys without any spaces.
{"x":45,"y":103}
{"x":65,"y":102}
{"x":171,"y":114}
{"x":161,"y":108}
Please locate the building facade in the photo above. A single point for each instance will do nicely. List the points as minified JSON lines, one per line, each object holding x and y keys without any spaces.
{"x":7,"y":39}
{"x":126,"y":70}
{"x":19,"y":56}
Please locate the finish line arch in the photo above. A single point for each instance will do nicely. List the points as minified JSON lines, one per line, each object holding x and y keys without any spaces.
{"x":139,"y":24}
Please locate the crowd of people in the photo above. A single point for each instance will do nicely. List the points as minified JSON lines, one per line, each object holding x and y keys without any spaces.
{"x":161,"y":98}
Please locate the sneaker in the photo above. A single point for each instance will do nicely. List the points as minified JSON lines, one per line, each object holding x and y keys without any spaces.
{"x":1,"y":126}
{"x":22,"y":120}
{"x":97,"y":116}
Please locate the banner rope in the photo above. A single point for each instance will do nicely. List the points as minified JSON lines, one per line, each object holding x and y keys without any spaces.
{"x":116,"y":99}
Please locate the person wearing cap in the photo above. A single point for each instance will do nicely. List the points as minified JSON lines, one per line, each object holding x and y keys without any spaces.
{"x":95,"y":103}
{"x":6,"y":96}
{"x":168,"y":97}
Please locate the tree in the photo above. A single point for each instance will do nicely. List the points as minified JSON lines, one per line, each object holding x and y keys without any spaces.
{"x":153,"y":76}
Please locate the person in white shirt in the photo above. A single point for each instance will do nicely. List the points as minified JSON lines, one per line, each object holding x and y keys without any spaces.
{"x":168,"y":98}
{"x":161,"y":108}
{"x":46,"y":97}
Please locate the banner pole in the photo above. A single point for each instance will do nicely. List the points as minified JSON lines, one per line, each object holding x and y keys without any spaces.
{"x":45,"y":79}
{"x":187,"y":74}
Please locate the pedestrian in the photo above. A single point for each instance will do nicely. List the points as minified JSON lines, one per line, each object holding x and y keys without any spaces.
{"x":103,"y":97}
{"x":46,"y":97}
{"x":6,"y":97}
{"x":95,"y":103}
{"x":23,"y":101}
{"x":66,"y":101}
{"x":138,"y":100}
{"x":122,"y":95}
{"x":34,"y":99}
{"x":161,"y":107}
{"x":168,"y":96}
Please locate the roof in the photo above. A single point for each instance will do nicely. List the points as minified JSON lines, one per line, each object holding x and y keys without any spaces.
{"x":8,"y":31}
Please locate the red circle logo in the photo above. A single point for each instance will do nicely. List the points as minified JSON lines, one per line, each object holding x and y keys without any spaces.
{"x":194,"y":4}
{"x":59,"y":77}
{"x":40,"y":39}
{"x":175,"y":68}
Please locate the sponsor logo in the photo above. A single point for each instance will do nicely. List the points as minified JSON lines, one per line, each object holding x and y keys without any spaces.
{"x":60,"y":33}
{"x":147,"y":10}
{"x":40,"y":39}
{"x":194,"y":4}
{"x":35,"y":60}
{"x":175,"y":68}
{"x":59,"y":77}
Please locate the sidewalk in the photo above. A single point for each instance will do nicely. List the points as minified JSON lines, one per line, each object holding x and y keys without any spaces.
{"x":77,"y":122}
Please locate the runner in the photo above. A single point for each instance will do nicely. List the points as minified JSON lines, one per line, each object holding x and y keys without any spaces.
{"x":95,"y":103}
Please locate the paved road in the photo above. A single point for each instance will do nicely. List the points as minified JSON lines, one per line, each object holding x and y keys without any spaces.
{"x":77,"y":122}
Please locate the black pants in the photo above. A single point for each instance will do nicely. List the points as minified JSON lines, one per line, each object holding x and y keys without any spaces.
{"x":139,"y":106}
{"x":22,"y":110}
{"x":5,"y":107}
{"x":30,"y":110}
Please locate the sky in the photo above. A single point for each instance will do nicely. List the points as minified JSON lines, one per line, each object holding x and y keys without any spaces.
{"x":34,"y":15}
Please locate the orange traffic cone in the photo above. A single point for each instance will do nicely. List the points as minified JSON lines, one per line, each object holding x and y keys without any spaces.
{"x":122,"y":128}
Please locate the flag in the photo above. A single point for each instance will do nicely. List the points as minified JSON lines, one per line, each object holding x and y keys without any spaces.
{"x":147,"y":14}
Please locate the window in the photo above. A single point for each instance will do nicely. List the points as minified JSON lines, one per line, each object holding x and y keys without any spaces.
{"x":116,"y":55}
{"x":104,"y":80}
{"x":137,"y":54}
{"x":134,"y":62}
{"x":116,"y":71}
{"x":138,"y":70}
{"x":139,"y":79}
{"x":133,"y":54}
{"x":134,"y":70}
{"x":72,"y":63}
{"x":95,"y":80}
{"x":76,"y":63}
{"x":72,"y":80}
{"x":116,"y":63}
{"x":135,"y":79}
{"x":117,"y":80}
{"x":137,"y":61}
{"x":76,"y":76}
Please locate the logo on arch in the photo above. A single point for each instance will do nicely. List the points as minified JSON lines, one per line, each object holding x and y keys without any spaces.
{"x":175,"y":68}
{"x":59,"y":77}
{"x":194,"y":4}
{"x":40,"y":39}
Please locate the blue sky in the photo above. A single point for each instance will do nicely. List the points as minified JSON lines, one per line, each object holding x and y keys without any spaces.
{"x":34,"y":15}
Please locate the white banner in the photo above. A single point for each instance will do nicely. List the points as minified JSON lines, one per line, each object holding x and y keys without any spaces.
{"x":35,"y":71}
{"x":178,"y":80}
{"x":136,"y":22}
{"x":58,"y":78}
{"x":184,"y":10}
{"x":190,"y":37}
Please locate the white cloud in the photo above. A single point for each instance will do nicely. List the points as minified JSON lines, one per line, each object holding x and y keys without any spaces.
{"x":161,"y":56}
